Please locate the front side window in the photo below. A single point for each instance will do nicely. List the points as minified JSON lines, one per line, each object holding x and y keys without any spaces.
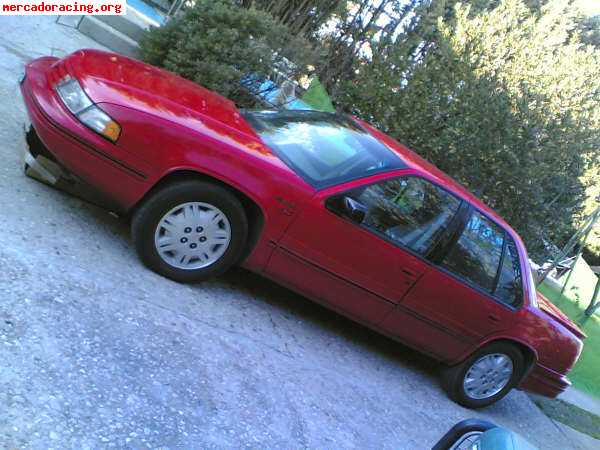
{"x":409,"y":211}
{"x":510,"y":287}
{"x":323,"y":148}
{"x":477,"y":253}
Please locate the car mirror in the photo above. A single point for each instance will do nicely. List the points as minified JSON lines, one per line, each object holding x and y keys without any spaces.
{"x":347,"y":207}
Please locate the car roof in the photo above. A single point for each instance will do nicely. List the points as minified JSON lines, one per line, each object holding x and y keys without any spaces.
{"x":413,"y":162}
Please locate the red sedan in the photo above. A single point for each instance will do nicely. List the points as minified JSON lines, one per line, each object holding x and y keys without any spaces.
{"x":322,"y":203}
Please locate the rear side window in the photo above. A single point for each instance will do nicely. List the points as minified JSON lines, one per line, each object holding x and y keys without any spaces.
{"x":487,"y":257}
{"x":510,"y":287}
{"x":477,"y":253}
{"x":408,"y":210}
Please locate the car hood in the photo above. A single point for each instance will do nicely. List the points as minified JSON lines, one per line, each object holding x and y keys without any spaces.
{"x":112,"y":78}
{"x":552,"y":310}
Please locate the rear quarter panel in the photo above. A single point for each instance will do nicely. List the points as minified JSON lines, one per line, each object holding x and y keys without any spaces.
{"x":555,"y":350}
{"x":556,"y":347}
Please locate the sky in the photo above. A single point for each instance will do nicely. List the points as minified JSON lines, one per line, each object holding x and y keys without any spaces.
{"x":591,"y":7}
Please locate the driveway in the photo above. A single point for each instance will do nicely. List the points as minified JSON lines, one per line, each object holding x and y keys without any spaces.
{"x":98,"y":352}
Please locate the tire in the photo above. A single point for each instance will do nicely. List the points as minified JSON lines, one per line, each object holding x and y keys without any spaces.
{"x":184,"y":204}
{"x":453,"y":378}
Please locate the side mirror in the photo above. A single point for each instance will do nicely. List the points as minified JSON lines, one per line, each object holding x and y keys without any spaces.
{"x":462,"y":432}
{"x":347,"y":207}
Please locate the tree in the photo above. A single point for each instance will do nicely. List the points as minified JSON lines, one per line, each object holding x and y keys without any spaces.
{"x":504,"y":99}
{"x":501,"y":94}
{"x":300,"y":16}
{"x":217,"y":44}
{"x":358,"y":26}
{"x":594,"y":304}
{"x":366,"y":29}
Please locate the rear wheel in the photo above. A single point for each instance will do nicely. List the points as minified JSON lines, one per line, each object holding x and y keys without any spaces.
{"x":190,"y":231}
{"x":486,"y":376}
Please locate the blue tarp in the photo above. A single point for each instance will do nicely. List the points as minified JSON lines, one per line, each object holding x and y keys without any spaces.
{"x":268,"y":91}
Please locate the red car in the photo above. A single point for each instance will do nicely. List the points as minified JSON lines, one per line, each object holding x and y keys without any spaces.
{"x":322,"y":203}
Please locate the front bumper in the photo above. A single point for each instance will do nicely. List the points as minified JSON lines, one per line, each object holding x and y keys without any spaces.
{"x":74,"y":148}
{"x":41,"y":165}
{"x":34,"y":158}
{"x":544,"y":381}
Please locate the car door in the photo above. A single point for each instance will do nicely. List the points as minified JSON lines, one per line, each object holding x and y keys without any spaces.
{"x":361,"y":249}
{"x":473,"y":290}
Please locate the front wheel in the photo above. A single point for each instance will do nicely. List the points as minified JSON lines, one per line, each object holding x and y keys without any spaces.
{"x":190,"y":231}
{"x":485,"y":377}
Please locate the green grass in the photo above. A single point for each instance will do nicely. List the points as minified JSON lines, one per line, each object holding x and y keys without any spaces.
{"x":581,"y":283}
{"x":586,"y":373}
{"x":577,"y":418}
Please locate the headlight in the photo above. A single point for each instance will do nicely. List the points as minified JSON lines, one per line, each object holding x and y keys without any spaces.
{"x":76,"y":100}
{"x":72,"y":95}
{"x":100,"y":122}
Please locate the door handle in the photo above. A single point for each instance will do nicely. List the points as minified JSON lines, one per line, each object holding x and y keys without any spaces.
{"x":494,"y":318}
{"x":409,"y":273}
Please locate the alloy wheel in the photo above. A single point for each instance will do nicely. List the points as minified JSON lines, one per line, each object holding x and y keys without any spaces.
{"x":488,"y":376}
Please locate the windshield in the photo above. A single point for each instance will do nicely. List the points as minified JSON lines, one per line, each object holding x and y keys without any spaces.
{"x":323,"y":148}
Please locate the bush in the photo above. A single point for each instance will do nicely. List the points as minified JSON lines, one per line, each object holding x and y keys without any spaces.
{"x":216,"y":43}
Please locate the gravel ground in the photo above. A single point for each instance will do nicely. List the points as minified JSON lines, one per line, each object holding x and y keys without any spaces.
{"x":98,"y":352}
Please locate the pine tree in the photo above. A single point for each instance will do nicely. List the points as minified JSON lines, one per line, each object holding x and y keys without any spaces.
{"x":504,"y":99}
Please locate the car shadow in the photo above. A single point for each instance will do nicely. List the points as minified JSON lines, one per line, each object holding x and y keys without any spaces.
{"x":285,"y":301}
{"x":290,"y":303}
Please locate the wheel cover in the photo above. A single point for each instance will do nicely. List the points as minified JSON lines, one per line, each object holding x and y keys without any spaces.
{"x":488,"y":376}
{"x":192,"y":235}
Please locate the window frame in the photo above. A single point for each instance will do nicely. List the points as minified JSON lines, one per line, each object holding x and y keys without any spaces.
{"x":506,"y":235}
{"x":506,"y":254}
{"x":447,"y":240}
{"x":427,"y":258}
